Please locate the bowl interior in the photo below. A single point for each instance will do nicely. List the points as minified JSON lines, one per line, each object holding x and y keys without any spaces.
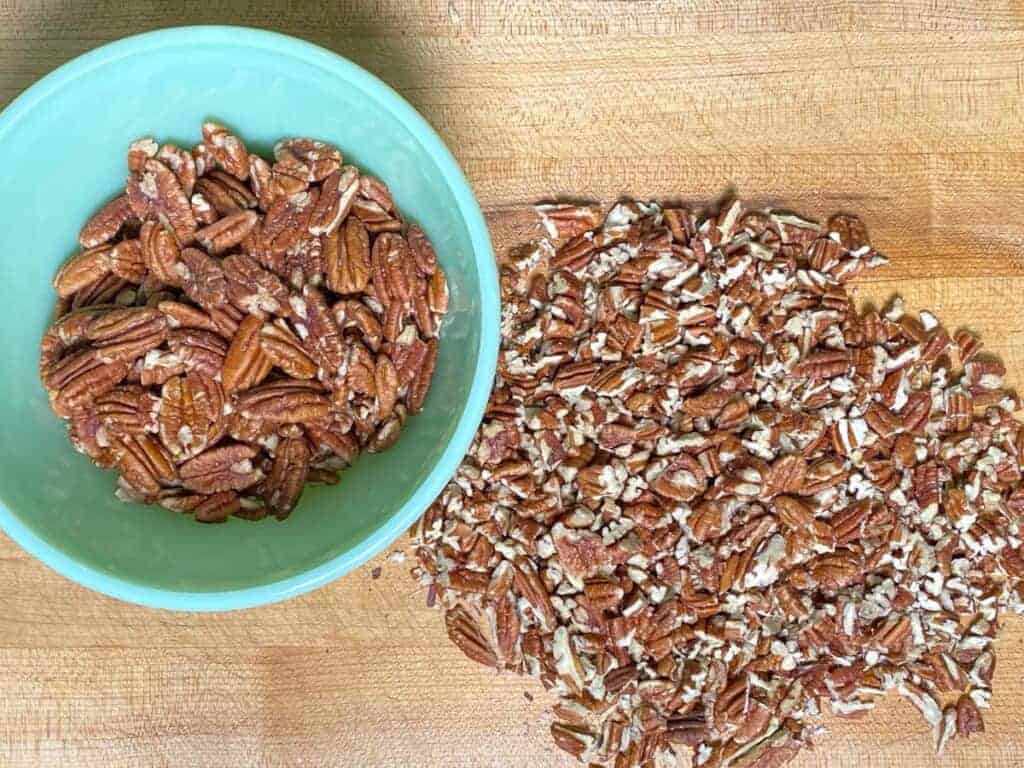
{"x":65,"y":155}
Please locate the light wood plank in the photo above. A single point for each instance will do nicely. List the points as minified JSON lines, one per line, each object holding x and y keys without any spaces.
{"x":907,"y":113}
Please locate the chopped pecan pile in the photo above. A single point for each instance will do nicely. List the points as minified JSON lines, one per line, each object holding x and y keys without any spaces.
{"x":235,"y":328}
{"x":710,"y":500}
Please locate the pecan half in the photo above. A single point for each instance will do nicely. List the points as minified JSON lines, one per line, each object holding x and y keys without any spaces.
{"x":283,"y":349}
{"x":144,"y":464}
{"x":314,"y":322}
{"x":285,"y":402}
{"x":127,"y":262}
{"x":82,"y":270}
{"x":227,"y":232}
{"x":161,"y":253}
{"x":287,"y":476}
{"x":252,"y":288}
{"x":125,"y":334}
{"x":245,"y":363}
{"x":202,"y":279}
{"x":226,"y":468}
{"x":347,"y":260}
{"x":335,"y":201}
{"x":197,"y":350}
{"x":227,"y":150}
{"x":157,"y":190}
{"x":106,"y":223}
{"x":191,"y":414}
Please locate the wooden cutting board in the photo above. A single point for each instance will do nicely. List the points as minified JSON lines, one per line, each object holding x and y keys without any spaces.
{"x":907,"y":113}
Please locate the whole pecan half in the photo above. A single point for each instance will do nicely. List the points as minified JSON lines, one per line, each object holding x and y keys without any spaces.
{"x":227,"y":467}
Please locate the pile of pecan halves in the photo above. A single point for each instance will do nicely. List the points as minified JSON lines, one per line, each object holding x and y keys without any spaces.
{"x":235,"y":328}
{"x":710,"y":500}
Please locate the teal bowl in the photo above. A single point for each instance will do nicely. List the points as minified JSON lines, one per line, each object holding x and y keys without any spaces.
{"x":62,"y":149}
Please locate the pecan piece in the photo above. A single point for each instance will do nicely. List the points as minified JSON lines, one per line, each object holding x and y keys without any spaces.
{"x":564,"y":221}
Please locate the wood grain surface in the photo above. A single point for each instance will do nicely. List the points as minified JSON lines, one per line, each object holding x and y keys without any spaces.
{"x":908,"y":113}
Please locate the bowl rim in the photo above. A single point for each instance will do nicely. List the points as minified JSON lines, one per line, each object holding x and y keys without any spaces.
{"x":487,"y":354}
